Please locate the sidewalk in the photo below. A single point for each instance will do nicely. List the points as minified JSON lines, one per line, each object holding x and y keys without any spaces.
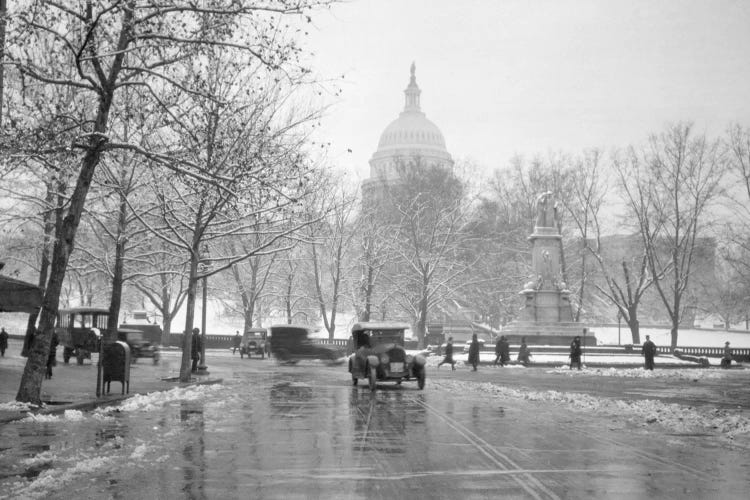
{"x":73,"y":386}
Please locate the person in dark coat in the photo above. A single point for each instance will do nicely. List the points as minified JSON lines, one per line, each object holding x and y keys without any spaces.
{"x":524,"y":353}
{"x":504,"y":351}
{"x":236,"y":341}
{"x":3,"y":342}
{"x":52,"y":357}
{"x":195,"y":349}
{"x":649,"y":351}
{"x":726,"y":361}
{"x":474,"y":352}
{"x":448,"y":354}
{"x":575,"y":353}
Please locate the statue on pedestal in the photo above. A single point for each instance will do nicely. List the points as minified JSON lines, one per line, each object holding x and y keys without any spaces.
{"x":546,"y":210}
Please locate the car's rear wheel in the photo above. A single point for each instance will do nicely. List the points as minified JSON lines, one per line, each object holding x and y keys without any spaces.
{"x":373,"y":377}
{"x":421,"y":379}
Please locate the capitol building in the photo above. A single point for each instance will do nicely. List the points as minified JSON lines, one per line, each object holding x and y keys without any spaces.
{"x":409,"y":138}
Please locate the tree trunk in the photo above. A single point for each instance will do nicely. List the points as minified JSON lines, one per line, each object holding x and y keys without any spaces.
{"x":117,"y":278}
{"x":31,"y":381}
{"x":188,"y":332}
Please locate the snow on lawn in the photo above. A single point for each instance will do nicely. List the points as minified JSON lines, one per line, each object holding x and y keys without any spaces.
{"x":677,"y":418}
{"x":679,"y":374}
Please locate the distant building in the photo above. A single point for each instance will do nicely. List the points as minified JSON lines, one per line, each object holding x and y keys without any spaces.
{"x":616,"y":248}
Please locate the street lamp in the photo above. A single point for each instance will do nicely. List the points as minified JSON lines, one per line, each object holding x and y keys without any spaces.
{"x":619,"y":319}
{"x":205,"y":266}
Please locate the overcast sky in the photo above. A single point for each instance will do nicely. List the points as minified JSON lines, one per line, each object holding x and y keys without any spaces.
{"x":528,"y":77}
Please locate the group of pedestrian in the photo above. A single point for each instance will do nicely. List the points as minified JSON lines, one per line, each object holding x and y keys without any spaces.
{"x":502,"y":353}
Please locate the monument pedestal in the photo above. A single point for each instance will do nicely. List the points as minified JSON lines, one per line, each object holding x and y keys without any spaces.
{"x":546,"y":317}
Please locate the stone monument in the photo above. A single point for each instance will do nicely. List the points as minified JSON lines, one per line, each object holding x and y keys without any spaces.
{"x":546,"y":316}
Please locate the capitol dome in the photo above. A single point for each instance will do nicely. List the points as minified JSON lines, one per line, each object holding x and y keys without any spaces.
{"x":411,"y":136}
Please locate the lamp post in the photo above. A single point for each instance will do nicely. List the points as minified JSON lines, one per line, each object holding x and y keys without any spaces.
{"x":619,"y":319}
{"x":202,"y":369}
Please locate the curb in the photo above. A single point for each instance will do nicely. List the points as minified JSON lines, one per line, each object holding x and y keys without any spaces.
{"x":95,"y":403}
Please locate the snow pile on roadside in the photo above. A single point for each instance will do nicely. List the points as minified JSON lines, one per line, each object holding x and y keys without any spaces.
{"x":154,"y":400}
{"x":71,"y":415}
{"x":697,"y":374}
{"x":678,"y":418}
{"x":16,"y":406}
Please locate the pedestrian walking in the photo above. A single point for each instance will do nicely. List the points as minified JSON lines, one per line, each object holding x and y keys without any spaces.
{"x":195,"y":349}
{"x":497,"y":350}
{"x":504,"y":351}
{"x":474,"y":352}
{"x":3,"y":342}
{"x":726,"y":360}
{"x":52,"y":356}
{"x":448,"y":354}
{"x":648,"y":352}
{"x":236,"y":341}
{"x":575,"y":352}
{"x":524,"y":353}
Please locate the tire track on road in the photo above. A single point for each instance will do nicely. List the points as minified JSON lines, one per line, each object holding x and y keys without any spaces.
{"x":521,"y":476}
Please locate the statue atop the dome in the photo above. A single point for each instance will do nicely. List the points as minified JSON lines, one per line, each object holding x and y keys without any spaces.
{"x":413,"y":69}
{"x":546,"y":210}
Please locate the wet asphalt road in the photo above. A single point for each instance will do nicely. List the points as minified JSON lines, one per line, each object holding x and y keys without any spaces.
{"x":303,"y":431}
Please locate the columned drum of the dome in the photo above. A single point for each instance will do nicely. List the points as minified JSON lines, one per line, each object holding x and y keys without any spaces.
{"x":409,"y":138}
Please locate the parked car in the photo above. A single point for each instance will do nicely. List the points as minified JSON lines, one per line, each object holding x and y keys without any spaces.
{"x":140,"y":346}
{"x":253,"y":342}
{"x":79,"y":331}
{"x":379,"y":355}
{"x":291,"y":343}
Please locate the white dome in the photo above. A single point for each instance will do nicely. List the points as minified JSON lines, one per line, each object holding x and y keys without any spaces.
{"x":411,"y":130}
{"x":411,"y":135}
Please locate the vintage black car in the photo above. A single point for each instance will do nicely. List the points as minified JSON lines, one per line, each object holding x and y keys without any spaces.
{"x":253,"y":342}
{"x":291,"y":343}
{"x":379,"y":354}
{"x":80,"y":330}
{"x":140,"y":346}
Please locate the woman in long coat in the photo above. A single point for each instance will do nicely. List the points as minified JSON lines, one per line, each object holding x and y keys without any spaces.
{"x":474,"y":352}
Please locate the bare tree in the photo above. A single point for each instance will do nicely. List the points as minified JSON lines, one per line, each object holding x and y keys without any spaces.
{"x":330,"y":242}
{"x":669,"y":187}
{"x":135,"y":44}
{"x":429,"y":217}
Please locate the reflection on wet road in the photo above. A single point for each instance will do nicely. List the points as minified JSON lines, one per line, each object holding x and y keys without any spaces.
{"x":304,"y":432}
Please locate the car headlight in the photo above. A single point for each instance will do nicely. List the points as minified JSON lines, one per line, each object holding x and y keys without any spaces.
{"x":384,"y":358}
{"x":419,"y":360}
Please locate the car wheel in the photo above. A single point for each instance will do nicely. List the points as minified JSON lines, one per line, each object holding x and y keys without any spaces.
{"x":420,"y":379}
{"x":373,"y":376}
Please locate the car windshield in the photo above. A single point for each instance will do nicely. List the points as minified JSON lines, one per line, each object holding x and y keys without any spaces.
{"x":386,"y":337}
